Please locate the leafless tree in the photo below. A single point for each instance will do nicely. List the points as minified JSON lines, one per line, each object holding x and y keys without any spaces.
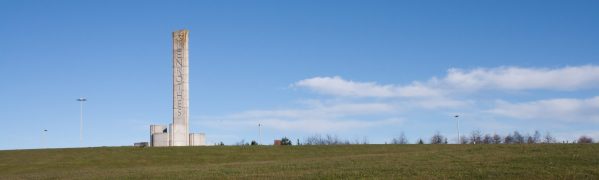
{"x":365,"y":140}
{"x":508,"y":139}
{"x":487,"y":139}
{"x":464,"y":140}
{"x":529,"y":140}
{"x":313,"y":140}
{"x":242,"y":143}
{"x":548,"y":138}
{"x":496,"y":139}
{"x":437,"y":138}
{"x":330,"y":139}
{"x":518,"y":139}
{"x":585,"y":139}
{"x":475,"y":137}
{"x":356,"y":140}
{"x":400,"y":140}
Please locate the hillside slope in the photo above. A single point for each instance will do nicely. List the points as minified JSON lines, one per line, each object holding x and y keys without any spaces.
{"x":537,"y":161}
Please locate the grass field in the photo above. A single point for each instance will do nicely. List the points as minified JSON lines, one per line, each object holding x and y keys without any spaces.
{"x":536,"y":161}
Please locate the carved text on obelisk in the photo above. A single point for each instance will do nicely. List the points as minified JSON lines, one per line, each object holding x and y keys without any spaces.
{"x":180,"y":127}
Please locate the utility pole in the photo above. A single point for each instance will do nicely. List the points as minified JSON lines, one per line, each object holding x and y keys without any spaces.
{"x":44,"y":138}
{"x":260,"y":133}
{"x":81,"y":100}
{"x":458,"y":127}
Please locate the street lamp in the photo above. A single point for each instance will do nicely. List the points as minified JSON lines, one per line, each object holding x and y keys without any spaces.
{"x":458,"y":127}
{"x":81,"y":100}
{"x":260,"y":133}
{"x":44,"y":138}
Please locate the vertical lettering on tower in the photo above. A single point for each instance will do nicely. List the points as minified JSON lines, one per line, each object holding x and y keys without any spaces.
{"x":180,"y":89}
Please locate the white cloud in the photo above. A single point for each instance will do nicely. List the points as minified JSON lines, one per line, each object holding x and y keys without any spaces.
{"x":462,"y":81}
{"x":517,"y":78}
{"x":568,"y":110}
{"x":338,"y":86}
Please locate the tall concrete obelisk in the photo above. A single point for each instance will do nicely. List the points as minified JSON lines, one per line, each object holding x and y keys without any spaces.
{"x":180,"y":126}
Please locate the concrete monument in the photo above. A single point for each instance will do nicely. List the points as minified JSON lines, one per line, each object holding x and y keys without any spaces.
{"x":177,"y":133}
{"x":180,"y":129}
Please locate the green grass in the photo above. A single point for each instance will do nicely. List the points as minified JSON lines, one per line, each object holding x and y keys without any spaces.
{"x":538,"y":161}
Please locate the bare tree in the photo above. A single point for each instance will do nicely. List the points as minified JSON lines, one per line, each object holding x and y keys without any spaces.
{"x":475,"y":137}
{"x":518,"y":139}
{"x":365,"y":140}
{"x":437,"y":138}
{"x":487,"y":139}
{"x":403,"y":139}
{"x":508,"y":139}
{"x":464,"y":140}
{"x":242,"y":143}
{"x":313,"y":140}
{"x":326,"y":140}
{"x":585,"y":139}
{"x":400,"y":140}
{"x":529,"y":139}
{"x":330,"y":139}
{"x":496,"y":139}
{"x":356,"y":140}
{"x":548,"y":138}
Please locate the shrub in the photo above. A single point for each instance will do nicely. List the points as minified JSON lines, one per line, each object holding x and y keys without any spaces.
{"x":585,"y":140}
{"x":285,"y":141}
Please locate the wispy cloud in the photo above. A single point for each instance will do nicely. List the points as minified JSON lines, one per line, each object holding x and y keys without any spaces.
{"x":568,"y":110}
{"x":518,"y":78}
{"x":317,"y":117}
{"x":338,"y":86}
{"x":421,"y":95}
{"x":457,"y":80}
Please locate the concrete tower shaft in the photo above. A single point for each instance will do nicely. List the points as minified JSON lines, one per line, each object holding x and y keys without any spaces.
{"x":180,"y":126}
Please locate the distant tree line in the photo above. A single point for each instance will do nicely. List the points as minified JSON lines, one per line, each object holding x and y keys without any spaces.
{"x":332,"y":140}
{"x":475,"y":137}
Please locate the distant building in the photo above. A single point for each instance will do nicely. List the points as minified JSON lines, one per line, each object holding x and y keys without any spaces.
{"x":197,"y":139}
{"x":141,"y":144}
{"x":161,"y":137}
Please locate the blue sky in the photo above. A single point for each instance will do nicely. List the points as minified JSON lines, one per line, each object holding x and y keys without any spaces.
{"x":351,"y":68}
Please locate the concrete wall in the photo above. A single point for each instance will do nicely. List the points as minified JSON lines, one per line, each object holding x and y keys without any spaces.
{"x":156,"y":129}
{"x":160,"y":140}
{"x":197,"y":139}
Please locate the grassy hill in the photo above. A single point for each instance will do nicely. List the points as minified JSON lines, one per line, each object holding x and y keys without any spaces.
{"x":536,"y":161}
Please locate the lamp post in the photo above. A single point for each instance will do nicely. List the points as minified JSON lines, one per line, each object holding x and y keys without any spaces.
{"x":44,"y":138}
{"x":81,"y":100}
{"x":260,"y":133}
{"x":458,"y":128}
